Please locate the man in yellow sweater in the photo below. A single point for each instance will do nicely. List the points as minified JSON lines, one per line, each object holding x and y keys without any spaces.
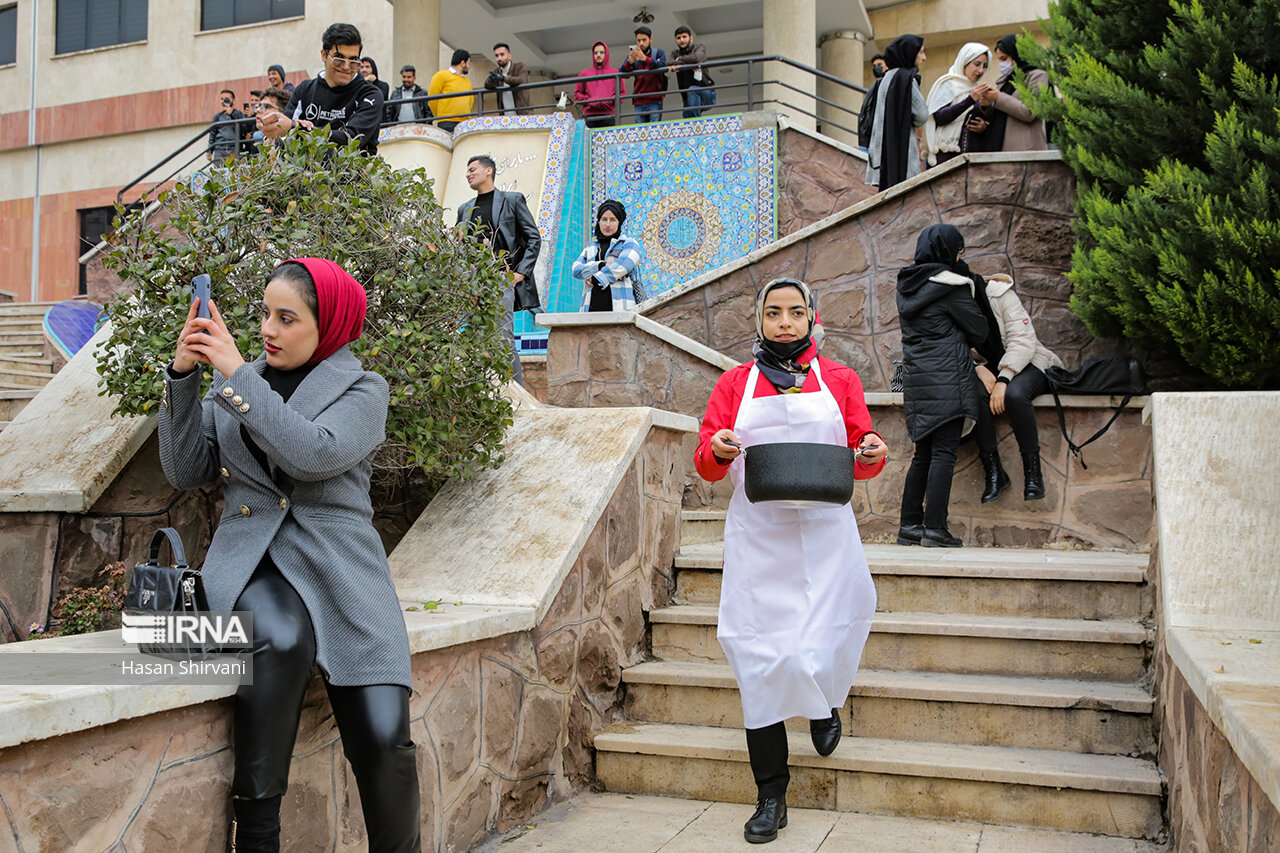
{"x":450,"y":111}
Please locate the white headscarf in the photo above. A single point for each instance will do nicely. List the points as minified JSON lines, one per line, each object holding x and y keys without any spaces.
{"x":949,"y":89}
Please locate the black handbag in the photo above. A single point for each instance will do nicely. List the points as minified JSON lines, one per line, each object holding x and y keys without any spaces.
{"x":1113,"y":375}
{"x":168,"y":590}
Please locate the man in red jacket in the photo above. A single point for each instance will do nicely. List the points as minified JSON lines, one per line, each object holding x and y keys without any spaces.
{"x":596,"y":98}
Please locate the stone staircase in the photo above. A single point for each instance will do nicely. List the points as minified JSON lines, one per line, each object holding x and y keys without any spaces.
{"x":24,"y":370}
{"x":999,"y":686}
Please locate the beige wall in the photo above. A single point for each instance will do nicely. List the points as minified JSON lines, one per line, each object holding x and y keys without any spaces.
{"x":176,"y":53}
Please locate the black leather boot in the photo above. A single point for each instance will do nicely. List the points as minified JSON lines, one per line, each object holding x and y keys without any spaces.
{"x":256,"y":828}
{"x":1032,"y":479}
{"x":770,"y":816}
{"x":909,"y":534}
{"x":995,"y":478}
{"x":939,"y":537}
{"x":825,"y":734}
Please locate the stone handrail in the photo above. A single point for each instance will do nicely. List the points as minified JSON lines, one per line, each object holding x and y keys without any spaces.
{"x":1217,"y":495}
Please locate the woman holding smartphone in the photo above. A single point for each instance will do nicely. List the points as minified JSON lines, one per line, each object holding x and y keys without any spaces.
{"x":796,"y":597}
{"x":291,"y":437}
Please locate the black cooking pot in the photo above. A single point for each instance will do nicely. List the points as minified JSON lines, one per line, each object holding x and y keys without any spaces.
{"x":799,"y":471}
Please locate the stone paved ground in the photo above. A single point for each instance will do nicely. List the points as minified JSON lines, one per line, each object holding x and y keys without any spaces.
{"x":623,"y":823}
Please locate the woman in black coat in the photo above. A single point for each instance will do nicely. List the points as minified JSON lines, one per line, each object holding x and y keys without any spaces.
{"x":940,"y":322}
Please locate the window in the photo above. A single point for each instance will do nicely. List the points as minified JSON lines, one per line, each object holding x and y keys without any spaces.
{"x":216,"y":14}
{"x":8,"y":35}
{"x":82,"y":24}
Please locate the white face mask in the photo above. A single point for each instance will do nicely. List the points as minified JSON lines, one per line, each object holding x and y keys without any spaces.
{"x":1006,"y":67}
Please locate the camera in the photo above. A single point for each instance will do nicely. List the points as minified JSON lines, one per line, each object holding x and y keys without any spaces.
{"x":495,"y":77}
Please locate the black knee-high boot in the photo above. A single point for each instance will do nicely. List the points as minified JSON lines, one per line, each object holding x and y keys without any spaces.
{"x":256,"y":828}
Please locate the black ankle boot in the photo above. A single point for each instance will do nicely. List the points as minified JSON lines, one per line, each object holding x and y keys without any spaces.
{"x":825,"y":734}
{"x":939,"y":537}
{"x":909,"y":534}
{"x":256,"y":828}
{"x":770,"y":816}
{"x":995,"y":478}
{"x":1032,"y":479}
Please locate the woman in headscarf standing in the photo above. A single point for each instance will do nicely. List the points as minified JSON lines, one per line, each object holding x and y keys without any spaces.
{"x":892,"y":156}
{"x":291,"y":437}
{"x":609,"y":267}
{"x":1004,"y":122}
{"x":796,"y":597}
{"x":950,"y":100}
{"x":940,"y":321}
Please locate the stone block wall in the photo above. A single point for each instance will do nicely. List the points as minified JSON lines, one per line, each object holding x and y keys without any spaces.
{"x":46,"y":554}
{"x":1214,"y":803}
{"x":815,"y":180}
{"x":1015,"y":217}
{"x":1108,"y":505}
{"x":502,"y":725}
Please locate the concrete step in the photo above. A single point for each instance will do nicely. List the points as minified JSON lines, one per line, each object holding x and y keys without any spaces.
{"x":14,"y":401}
{"x":1045,"y":789}
{"x":12,"y":379}
{"x":12,"y":310}
{"x":1059,"y":714}
{"x":629,"y":823}
{"x":20,"y":349}
{"x":701,"y":526}
{"x":983,"y":581}
{"x":946,"y":642}
{"x":26,"y":336}
{"x":25,"y":364}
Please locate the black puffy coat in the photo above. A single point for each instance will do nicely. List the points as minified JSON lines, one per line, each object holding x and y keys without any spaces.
{"x":940,"y":322}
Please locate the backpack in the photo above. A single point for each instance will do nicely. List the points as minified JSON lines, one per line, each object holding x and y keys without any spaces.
{"x":1114,"y":375}
{"x":867,"y":115}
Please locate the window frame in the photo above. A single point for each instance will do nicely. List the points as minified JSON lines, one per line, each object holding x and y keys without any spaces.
{"x":123,"y":35}
{"x":11,"y":7}
{"x":290,"y":15}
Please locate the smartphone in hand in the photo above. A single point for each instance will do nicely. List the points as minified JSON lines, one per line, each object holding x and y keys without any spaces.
{"x":200,"y":287}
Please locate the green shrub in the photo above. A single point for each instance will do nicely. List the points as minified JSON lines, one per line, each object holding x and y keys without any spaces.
{"x":433,"y":328}
{"x":1170,"y":118}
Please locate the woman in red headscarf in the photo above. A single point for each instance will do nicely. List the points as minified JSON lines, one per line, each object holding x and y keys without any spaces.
{"x":291,"y":437}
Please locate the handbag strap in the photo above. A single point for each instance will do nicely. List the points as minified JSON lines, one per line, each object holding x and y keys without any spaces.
{"x":1062,"y":425}
{"x":175,"y":545}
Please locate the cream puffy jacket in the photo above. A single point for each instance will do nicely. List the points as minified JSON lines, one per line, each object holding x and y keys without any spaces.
{"x":1021,"y":346}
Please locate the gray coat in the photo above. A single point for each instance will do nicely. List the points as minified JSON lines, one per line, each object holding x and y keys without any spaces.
{"x":321,"y":534}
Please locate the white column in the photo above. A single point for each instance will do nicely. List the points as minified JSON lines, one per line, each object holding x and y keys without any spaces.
{"x":415,"y":38}
{"x":842,"y":54}
{"x":790,"y":30}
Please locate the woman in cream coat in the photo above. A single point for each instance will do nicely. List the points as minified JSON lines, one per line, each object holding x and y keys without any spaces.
{"x":1018,"y":379}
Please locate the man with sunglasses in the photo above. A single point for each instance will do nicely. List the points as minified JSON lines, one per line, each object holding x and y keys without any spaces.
{"x":338,"y":98}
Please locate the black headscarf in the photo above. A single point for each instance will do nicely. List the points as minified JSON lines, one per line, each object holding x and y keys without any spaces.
{"x":1009,"y":46}
{"x":938,"y":250}
{"x":897,"y":131}
{"x":779,"y":361}
{"x":618,"y":211}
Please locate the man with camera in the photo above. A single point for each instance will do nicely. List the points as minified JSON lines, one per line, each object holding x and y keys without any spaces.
{"x":506,"y":80}
{"x":225,"y":131}
{"x":649,"y":88}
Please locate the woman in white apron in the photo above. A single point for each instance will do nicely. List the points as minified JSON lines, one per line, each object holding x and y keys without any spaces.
{"x":797,"y":599}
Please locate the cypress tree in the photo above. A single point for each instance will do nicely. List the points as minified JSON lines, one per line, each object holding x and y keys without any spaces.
{"x":1170,"y":119}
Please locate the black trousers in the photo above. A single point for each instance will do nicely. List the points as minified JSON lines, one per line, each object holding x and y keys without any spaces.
{"x":767,"y":749}
{"x":927,"y":488}
{"x":601,"y":121}
{"x":373,"y":720}
{"x":1023,"y":388}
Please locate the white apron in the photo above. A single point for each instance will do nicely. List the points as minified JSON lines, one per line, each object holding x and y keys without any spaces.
{"x":796,"y":598}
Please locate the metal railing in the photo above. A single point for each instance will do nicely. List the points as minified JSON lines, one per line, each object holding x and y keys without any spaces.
{"x":756,"y":92}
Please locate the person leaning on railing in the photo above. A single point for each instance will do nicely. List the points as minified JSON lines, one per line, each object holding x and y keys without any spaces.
{"x":598,"y":98}
{"x":340,"y":99}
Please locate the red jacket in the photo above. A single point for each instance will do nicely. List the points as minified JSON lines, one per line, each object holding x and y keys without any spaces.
{"x":722,"y":410}
{"x":596,"y":96}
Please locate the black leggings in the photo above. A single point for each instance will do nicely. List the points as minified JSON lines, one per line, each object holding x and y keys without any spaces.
{"x":1023,"y":388}
{"x":373,"y":720}
{"x":767,"y":749}
{"x":926,"y":491}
